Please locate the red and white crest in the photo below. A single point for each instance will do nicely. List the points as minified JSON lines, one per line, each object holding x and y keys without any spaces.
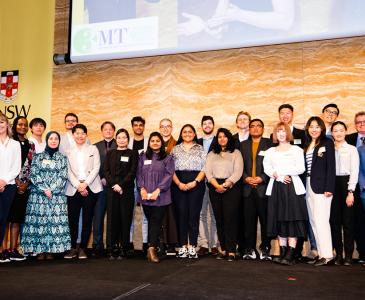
{"x":9,"y":85}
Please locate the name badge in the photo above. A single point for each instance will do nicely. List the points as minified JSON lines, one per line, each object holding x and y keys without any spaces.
{"x":147,"y":162}
{"x":140,"y":151}
{"x":46,"y":162}
{"x":297,"y":141}
{"x":262,"y":153}
{"x":124,"y":158}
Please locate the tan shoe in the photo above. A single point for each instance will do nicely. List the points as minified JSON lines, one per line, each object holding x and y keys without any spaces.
{"x":151,"y":255}
{"x":82,"y":254}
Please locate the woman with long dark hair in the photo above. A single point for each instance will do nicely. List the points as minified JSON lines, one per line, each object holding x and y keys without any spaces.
{"x":46,"y":229}
{"x":320,"y":185}
{"x":224,"y":169}
{"x":188,"y":190}
{"x":342,"y":209}
{"x":17,"y":211}
{"x":154,"y":177}
{"x":120,"y":168}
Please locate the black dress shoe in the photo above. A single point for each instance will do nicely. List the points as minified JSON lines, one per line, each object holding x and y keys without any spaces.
{"x":313,"y":260}
{"x":339,"y":260}
{"x":348,"y":261}
{"x":321,"y":262}
{"x":231,"y":257}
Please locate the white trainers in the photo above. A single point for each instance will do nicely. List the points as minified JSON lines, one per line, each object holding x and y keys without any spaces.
{"x":183,"y":252}
{"x":192,"y":252}
{"x":250,"y":255}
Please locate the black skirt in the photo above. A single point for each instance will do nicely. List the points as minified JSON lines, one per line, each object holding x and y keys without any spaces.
{"x":287,"y":212}
{"x":18,"y":208}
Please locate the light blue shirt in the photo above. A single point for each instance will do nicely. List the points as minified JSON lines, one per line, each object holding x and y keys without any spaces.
{"x":207,"y":142}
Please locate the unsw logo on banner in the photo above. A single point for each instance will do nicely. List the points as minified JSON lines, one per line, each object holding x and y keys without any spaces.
{"x":9,"y":85}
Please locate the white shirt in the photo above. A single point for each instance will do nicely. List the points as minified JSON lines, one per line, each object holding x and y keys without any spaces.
{"x":81,"y":166}
{"x":243,"y":137}
{"x":10,"y":160}
{"x":290,"y":162}
{"x":39,"y":147}
{"x":348,"y":163}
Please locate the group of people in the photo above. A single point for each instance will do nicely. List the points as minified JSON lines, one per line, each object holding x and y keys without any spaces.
{"x":196,"y":196}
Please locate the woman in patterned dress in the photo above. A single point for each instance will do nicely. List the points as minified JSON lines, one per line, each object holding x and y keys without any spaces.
{"x":46,"y":229}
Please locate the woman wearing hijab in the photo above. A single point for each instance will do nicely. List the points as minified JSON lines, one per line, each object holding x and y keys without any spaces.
{"x":46,"y":229}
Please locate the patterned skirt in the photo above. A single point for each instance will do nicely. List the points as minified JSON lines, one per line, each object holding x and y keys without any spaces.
{"x":46,"y":226}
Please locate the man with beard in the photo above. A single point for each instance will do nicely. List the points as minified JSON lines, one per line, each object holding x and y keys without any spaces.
{"x":207,"y":238}
{"x":139,"y":143}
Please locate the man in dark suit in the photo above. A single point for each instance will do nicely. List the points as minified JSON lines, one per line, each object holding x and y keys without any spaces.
{"x":357,"y":139}
{"x":254,"y":189}
{"x":207,"y":238}
{"x":107,"y":143}
{"x":286,"y":115}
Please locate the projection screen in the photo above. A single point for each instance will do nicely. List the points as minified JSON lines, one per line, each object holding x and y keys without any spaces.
{"x":113,"y":29}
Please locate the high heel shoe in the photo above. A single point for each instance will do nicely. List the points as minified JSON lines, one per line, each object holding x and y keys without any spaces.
{"x":151,"y":255}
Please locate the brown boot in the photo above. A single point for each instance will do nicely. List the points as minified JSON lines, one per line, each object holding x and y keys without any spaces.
{"x":151,"y":255}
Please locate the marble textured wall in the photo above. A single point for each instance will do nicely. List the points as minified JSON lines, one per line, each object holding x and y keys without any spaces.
{"x":219,"y":83}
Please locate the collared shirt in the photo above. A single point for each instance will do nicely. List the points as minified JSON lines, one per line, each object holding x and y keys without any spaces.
{"x":348,"y":163}
{"x":192,"y":159}
{"x":243,"y":137}
{"x":207,"y":141}
{"x":10,"y":160}
{"x":39,"y":147}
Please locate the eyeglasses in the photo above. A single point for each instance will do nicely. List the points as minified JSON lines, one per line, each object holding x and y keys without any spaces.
{"x":331,"y":112}
{"x":70,"y":121}
{"x":360,"y":122}
{"x":165,"y":127}
{"x":256,"y":126}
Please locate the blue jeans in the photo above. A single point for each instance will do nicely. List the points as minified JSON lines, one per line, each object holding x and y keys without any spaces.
{"x":98,"y":222}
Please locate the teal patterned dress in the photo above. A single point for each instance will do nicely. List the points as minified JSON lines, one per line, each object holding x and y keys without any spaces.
{"x":46,"y":222}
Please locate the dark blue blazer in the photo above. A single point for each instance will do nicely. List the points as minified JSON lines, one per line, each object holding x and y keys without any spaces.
{"x":323,"y":171}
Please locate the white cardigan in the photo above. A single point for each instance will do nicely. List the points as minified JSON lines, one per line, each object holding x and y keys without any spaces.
{"x":290,"y":162}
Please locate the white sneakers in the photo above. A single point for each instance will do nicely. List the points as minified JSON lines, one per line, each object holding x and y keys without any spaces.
{"x":187,"y":252}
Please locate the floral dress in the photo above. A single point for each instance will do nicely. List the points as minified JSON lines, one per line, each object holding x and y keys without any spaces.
{"x":46,"y":226}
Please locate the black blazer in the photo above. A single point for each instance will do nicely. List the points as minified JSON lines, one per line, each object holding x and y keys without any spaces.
{"x":352,"y":138}
{"x":237,"y":143}
{"x":323,"y":170}
{"x":102,"y":151}
{"x":121,"y":172}
{"x":200,"y":142}
{"x":298,"y":134}
{"x":246,"y":150}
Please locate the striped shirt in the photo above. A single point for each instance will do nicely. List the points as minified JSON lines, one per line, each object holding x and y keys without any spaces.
{"x":308,"y":161}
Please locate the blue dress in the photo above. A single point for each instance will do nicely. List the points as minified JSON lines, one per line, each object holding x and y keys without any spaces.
{"x":46,"y":226}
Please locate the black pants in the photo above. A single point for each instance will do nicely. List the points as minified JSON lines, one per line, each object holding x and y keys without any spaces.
{"x":188,"y":205}
{"x":169,"y":228}
{"x":74,"y":205}
{"x":154,"y":215}
{"x":225,"y":207}
{"x":120,"y":215}
{"x":255,"y":208}
{"x":342,"y":216}
{"x":6,"y":198}
{"x":359,"y":234}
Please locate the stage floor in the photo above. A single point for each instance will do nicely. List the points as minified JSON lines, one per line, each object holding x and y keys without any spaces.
{"x":205,"y":278}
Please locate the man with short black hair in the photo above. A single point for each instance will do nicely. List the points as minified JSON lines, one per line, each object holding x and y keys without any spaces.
{"x":254,"y":191}
{"x":139,"y":143}
{"x":207,"y":238}
{"x":37,"y":127}
{"x":329,"y":115}
{"x":104,"y":146}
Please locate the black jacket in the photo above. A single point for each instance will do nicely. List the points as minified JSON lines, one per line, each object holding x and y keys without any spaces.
{"x":102,"y":151}
{"x":246,"y":150}
{"x":323,"y":170}
{"x":352,"y":138}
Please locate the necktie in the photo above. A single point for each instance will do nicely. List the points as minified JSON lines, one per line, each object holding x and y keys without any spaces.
{"x":362,"y":139}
